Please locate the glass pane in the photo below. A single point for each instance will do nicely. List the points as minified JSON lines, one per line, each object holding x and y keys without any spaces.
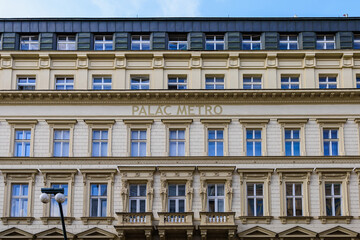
{"x":220,"y":149}
{"x":24,"y":207}
{"x":334,"y":146}
{"x":258,"y":149}
{"x":27,"y":149}
{"x":289,"y":207}
{"x":104,"y":148}
{"x":298,"y":206}
{"x":18,"y":149}
{"x":250,"y":189}
{"x":181,"y":134}
{"x":133,"y":190}
{"x":65,"y":150}
{"x":96,"y":134}
{"x":249,"y":149}
{"x":289,"y":189}
{"x":337,"y":206}
{"x":181,"y":205}
{"x":337,"y":189}
{"x":326,"y":148}
{"x":15,"y":208}
{"x":103,"y":189}
{"x":259,"y":189}
{"x":173,"y":135}
{"x":181,"y":190}
{"x":143,"y":149}
{"x":142,"y":190}
{"x":181,"y":149}
{"x":288,"y":149}
{"x":219,"y":134}
{"x":94,"y":190}
{"x":172,"y":190}
{"x":221,"y":207}
{"x":95,"y":149}
{"x":16,"y":190}
{"x":172,"y":149}
{"x":211,"y":134}
{"x":328,"y":189}
{"x":296,"y":148}
{"x":211,"y":190}
{"x":143,"y":135}
{"x":172,"y":206}
{"x":259,"y":207}
{"x":250,"y":208}
{"x":94,"y":208}
{"x":298,"y":189}
{"x":104,"y":135}
{"x":103,"y":207}
{"x":328,"y":207}
{"x":220,"y":190}
{"x":211,"y":149}
{"x":57,"y":149}
{"x":133,"y":206}
{"x":142,"y":206}
{"x":287,"y":134}
{"x":134,"y":149}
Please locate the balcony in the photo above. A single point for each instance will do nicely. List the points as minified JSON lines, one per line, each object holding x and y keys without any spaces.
{"x":133,"y":224}
{"x":175,"y":224}
{"x":222,"y":223}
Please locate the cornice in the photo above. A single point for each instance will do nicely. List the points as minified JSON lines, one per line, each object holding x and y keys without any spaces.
{"x":230,"y":96}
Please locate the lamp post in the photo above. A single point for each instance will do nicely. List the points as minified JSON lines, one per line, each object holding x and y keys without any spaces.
{"x":59,"y":198}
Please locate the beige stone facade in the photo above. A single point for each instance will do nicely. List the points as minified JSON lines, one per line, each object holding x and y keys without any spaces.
{"x":195,"y":111}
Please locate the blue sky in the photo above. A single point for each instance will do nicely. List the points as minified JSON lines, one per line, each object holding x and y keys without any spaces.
{"x":178,"y":8}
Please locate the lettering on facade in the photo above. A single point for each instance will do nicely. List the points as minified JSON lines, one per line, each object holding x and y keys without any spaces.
{"x":181,"y":110}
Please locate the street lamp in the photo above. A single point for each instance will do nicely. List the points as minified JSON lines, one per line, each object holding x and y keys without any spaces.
{"x":59,"y":197}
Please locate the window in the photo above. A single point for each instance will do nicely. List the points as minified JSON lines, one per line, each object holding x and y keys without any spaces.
{"x":253,"y":142}
{"x":177,"y":143}
{"x":178,"y":42}
{"x":29,"y":42}
{"x":138,"y":143}
{"x":54,"y":206}
{"x":357,"y":81}
{"x":255,"y":199}
{"x":66,"y":43}
{"x":61,"y":143}
{"x":137,"y":198}
{"x":140,"y":83}
{"x":294,"y":199}
{"x":1,"y":41}
{"x":19,"y":200}
{"x":252,"y":82}
{"x":214,"y":42}
{"x":289,"y":82}
{"x":102,"y":83}
{"x":99,"y":143}
{"x":140,"y":42}
{"x":98,"y":200}
{"x":176,"y":83}
{"x":216,"y":198}
{"x":214,"y":83}
{"x":22,"y":143}
{"x":331,"y":142}
{"x":64,"y":83}
{"x":103,"y":42}
{"x":288,"y":42}
{"x":325,"y":42}
{"x":251,"y":42}
{"x":292,"y":142}
{"x":327,"y":82}
{"x":357,"y":41}
{"x":26,"y":83}
{"x":177,"y":198}
{"x":333,"y":199}
{"x":215,"y":142}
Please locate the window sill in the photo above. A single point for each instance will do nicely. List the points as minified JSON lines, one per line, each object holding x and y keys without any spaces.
{"x":17,"y":220}
{"x":295,"y":220}
{"x":335,"y":219}
{"x":98,"y":220}
{"x":56,"y":220}
{"x":255,"y":219}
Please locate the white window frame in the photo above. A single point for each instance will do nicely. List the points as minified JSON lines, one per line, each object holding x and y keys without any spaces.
{"x":331,"y":140}
{"x":69,"y":45}
{"x":177,"y":42}
{"x":103,"y":42}
{"x":214,"y":41}
{"x":290,"y":81}
{"x":218,"y":81}
{"x":325,"y":41}
{"x":288,"y":41}
{"x":251,"y":41}
{"x":177,"y":198}
{"x":294,"y":197}
{"x":101,"y":141}
{"x":216,"y":140}
{"x":327,"y":83}
{"x":103,"y":84}
{"x":332,"y":197}
{"x":254,"y":198}
{"x":68,"y":82}
{"x":216,"y":198}
{"x":140,"y":82}
{"x":177,"y":83}
{"x":252,"y":83}
{"x":23,"y":142}
{"x":253,"y":140}
{"x":138,"y":198}
{"x":33,"y":44}
{"x":61,"y":141}
{"x":138,"y":141}
{"x":140,"y":41}
{"x":21,"y":199}
{"x":292,"y":140}
{"x":27,"y":84}
{"x":177,"y":140}
{"x":99,"y":197}
{"x":52,"y":200}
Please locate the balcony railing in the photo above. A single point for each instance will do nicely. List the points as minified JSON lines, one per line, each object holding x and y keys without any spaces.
{"x":175,"y":219}
{"x":135,"y":219}
{"x":217,"y":218}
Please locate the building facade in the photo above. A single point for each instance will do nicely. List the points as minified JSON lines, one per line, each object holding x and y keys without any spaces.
{"x":181,"y":128}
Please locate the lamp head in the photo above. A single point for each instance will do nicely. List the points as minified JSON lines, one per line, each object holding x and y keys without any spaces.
{"x":44,"y":198}
{"x":60,"y":198}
